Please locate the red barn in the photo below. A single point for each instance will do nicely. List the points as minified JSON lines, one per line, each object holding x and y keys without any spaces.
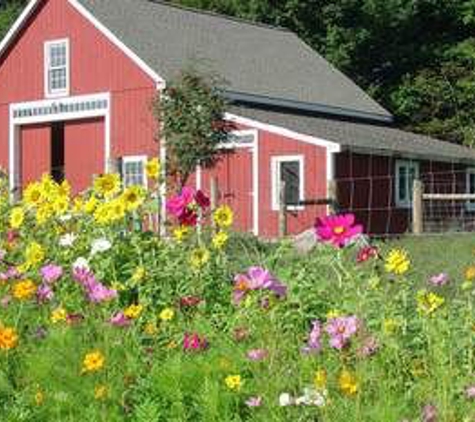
{"x":77,"y":78}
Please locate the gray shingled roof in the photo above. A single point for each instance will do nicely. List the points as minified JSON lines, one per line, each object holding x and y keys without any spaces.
{"x":362,"y":136}
{"x":254,"y":59}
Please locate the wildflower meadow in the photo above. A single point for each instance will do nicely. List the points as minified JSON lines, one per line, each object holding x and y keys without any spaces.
{"x":102,"y":319}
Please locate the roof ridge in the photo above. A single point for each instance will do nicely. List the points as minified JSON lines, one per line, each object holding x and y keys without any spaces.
{"x":168,"y":3}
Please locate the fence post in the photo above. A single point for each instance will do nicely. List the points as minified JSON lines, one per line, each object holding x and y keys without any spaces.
{"x":417,"y":223}
{"x":282,"y":211}
{"x":332,"y":197}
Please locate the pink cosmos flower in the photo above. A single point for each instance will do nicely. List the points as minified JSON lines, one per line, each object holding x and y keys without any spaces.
{"x":254,"y":401}
{"x":314,"y":344}
{"x":185,"y":205}
{"x":12,"y":236}
{"x":11,"y":273}
{"x":257,"y":354}
{"x":369,"y":347}
{"x":257,"y":278}
{"x":119,"y":320}
{"x":5,"y":301}
{"x":470,"y":392}
{"x":338,"y":230}
{"x":193,"y":342}
{"x":341,"y":329}
{"x":51,"y":273}
{"x":429,"y":413}
{"x":95,"y":291}
{"x":366,"y":253}
{"x":44,"y":293}
{"x":439,"y":279}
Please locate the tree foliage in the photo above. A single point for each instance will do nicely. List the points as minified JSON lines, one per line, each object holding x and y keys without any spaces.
{"x":191,"y":113}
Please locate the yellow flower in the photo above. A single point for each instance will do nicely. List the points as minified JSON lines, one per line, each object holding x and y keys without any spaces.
{"x":348,"y":383}
{"x":233,"y":382}
{"x":152,"y":168}
{"x":60,"y":205}
{"x":320,"y":379}
{"x":397,"y":262}
{"x":133,"y":197}
{"x":107,"y":185}
{"x":34,"y":253}
{"x":180,"y":233}
{"x":333,"y":313}
{"x":223,"y":216}
{"x":470,"y":273}
{"x":43,"y":213}
{"x":100,"y":392}
{"x":220,"y":239}
{"x":133,"y":311}
{"x":428,"y":302}
{"x":93,"y":362}
{"x":150,"y":329}
{"x":39,"y":398}
{"x":167,"y":314}
{"x":59,"y":314}
{"x":17,"y":216}
{"x":199,"y":258}
{"x":91,"y":204}
{"x":32,"y":195}
{"x":24,"y":289}
{"x":8,"y":338}
{"x":390,"y":326}
{"x":138,"y":274}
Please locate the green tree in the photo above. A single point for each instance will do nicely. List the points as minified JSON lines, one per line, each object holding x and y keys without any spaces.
{"x":191,"y":114}
{"x":8,"y":13}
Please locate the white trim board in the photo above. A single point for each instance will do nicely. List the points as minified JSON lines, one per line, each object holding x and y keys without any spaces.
{"x":45,"y":111}
{"x":312,"y":140}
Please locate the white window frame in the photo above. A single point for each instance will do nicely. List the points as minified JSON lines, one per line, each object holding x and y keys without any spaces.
{"x":408,"y":165}
{"x":276,"y":162}
{"x":134,"y":159}
{"x":469,"y":205}
{"x":57,"y":92}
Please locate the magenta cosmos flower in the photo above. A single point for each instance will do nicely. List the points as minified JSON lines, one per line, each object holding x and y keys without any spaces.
{"x":366,"y":253}
{"x":256,"y":278}
{"x":314,"y":343}
{"x":193,"y":342}
{"x":51,"y":273}
{"x":96,"y":292}
{"x":341,"y":329}
{"x":185,"y":205}
{"x":119,"y":320}
{"x":338,"y":230}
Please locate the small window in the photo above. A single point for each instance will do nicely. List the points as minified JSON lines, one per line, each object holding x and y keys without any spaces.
{"x":290,"y":170}
{"x":406,"y":173}
{"x":471,"y":187}
{"x":57,"y":68}
{"x":133,"y":171}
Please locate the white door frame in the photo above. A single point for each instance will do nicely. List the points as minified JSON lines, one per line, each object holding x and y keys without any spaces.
{"x":53,"y":110}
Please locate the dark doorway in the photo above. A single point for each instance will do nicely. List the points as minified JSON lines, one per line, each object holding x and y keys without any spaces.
{"x":57,"y":151}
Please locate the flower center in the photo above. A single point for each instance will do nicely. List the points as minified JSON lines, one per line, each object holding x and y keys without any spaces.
{"x":339,"y":230}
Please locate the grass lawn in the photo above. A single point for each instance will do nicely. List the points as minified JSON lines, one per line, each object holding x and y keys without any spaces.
{"x":434,"y":254}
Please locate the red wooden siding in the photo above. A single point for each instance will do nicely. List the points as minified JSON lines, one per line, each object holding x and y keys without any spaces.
{"x":84,"y":152}
{"x":96,"y":65}
{"x":234,"y":175}
{"x":35,"y":152}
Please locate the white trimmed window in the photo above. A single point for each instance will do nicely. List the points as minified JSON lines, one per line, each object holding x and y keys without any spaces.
{"x":56,"y":68}
{"x":471,"y":187}
{"x":288,"y":169}
{"x":133,"y":171}
{"x":406,"y":172}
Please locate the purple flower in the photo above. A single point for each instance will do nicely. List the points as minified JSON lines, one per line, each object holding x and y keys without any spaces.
{"x":341,"y":329}
{"x":51,"y":273}
{"x":257,"y":278}
{"x":96,"y":292}
{"x":470,"y":392}
{"x":12,"y":272}
{"x":439,"y":279}
{"x":44,"y":293}
{"x":429,"y":413}
{"x":314,"y":339}
{"x":120,"y":320}
{"x":257,"y":354}
{"x":254,"y":401}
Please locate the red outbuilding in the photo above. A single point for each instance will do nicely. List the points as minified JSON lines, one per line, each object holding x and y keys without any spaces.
{"x":78,"y":77}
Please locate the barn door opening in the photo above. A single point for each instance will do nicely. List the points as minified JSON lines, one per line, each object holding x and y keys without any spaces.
{"x":57,"y":151}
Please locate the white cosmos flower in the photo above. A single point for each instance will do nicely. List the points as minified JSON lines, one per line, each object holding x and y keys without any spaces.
{"x":285,"y":399}
{"x":81,"y":263}
{"x":311,"y":397}
{"x":65,"y":217}
{"x":67,"y":240}
{"x":100,"y":245}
